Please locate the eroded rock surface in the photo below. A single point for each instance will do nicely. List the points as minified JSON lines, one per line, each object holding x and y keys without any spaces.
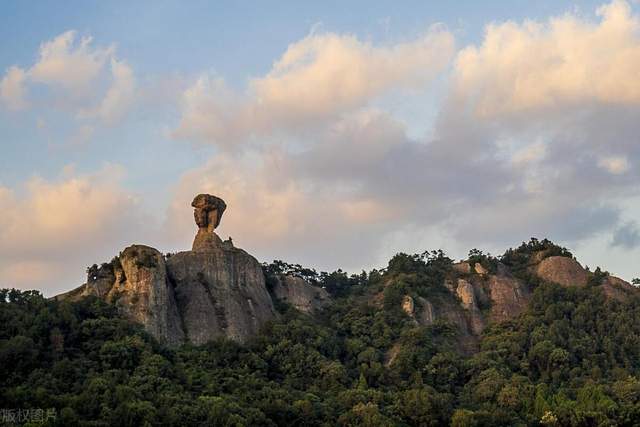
{"x":215,"y":290}
{"x":141,"y":290}
{"x":562,"y":270}
{"x":219,"y":292}
{"x":207,"y":213}
{"x":509,"y":297}
{"x":467,"y":295}
{"x":300,"y":294}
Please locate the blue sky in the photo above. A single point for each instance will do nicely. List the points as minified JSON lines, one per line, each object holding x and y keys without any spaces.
{"x":428,"y":147}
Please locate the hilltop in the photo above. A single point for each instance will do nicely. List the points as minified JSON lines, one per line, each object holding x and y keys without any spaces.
{"x":211,"y":337}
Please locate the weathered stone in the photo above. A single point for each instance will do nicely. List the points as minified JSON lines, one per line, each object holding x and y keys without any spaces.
{"x":564,"y":271}
{"x":207,"y":213}
{"x":462,"y":267}
{"x":427,"y":315}
{"x":216,"y":290}
{"x":408,"y":305}
{"x":219,"y":292}
{"x":466,"y":293}
{"x":300,"y":294}
{"x":509,"y":297}
{"x":480,"y":269}
{"x":143,"y":293}
{"x":618,"y":289}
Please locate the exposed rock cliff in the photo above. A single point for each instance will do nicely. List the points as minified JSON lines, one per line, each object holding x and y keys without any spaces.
{"x":300,"y":294}
{"x":212,"y":291}
{"x":562,"y":270}
{"x":219,"y":292}
{"x":567,"y":271}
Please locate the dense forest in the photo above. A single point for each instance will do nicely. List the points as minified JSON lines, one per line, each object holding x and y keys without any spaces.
{"x":572,"y":359}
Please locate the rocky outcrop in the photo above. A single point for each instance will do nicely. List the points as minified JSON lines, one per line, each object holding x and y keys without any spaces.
{"x":562,"y":270}
{"x":618,"y":289}
{"x":220,"y":292}
{"x":426,"y":315}
{"x":141,"y":290}
{"x":567,"y":271}
{"x":207,"y":213}
{"x":214,"y":290}
{"x":509,"y":297}
{"x":467,"y":295}
{"x":299,"y":293}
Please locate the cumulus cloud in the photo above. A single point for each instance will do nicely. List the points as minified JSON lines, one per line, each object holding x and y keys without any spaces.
{"x":118,"y":97}
{"x":12,"y":89}
{"x":317,"y":79}
{"x":51,"y":230}
{"x":87,"y":80}
{"x":525,"y":144}
{"x":536,"y":66}
{"x":70,"y":65}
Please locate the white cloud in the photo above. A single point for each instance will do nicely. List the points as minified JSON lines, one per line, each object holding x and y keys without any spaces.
{"x":565,"y":61}
{"x":532,"y":117}
{"x":12,"y":89}
{"x":627,"y":236}
{"x":316,"y":80}
{"x":73,"y":66}
{"x":119,"y":96}
{"x":325,"y":74}
{"x":51,"y":230}
{"x":88,"y":81}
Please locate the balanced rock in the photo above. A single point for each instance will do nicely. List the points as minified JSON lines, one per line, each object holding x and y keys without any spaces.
{"x":214,"y":290}
{"x":207,"y":213}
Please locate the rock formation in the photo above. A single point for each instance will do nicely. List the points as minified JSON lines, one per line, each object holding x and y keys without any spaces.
{"x":568,"y":272}
{"x":562,"y":270}
{"x":218,"y":290}
{"x":467,"y":295}
{"x":207,"y":213}
{"x":300,"y":294}
{"x":214,"y":290}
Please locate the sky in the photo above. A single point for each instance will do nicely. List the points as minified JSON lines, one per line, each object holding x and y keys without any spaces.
{"x":339,"y":133}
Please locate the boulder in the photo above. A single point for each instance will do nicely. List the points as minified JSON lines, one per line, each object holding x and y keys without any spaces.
{"x":564,"y":271}
{"x":207,"y":213}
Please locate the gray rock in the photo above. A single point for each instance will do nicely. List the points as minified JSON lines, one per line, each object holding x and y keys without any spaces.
{"x":220,"y":292}
{"x":142,"y":292}
{"x":215,"y":290}
{"x":300,"y":294}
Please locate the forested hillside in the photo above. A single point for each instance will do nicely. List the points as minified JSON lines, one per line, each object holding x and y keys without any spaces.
{"x":572,"y":358}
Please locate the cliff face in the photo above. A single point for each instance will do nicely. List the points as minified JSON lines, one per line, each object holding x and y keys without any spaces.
{"x":485,"y":298}
{"x":219,"y":292}
{"x":214,"y":290}
{"x":142,"y":291}
{"x":300,"y":294}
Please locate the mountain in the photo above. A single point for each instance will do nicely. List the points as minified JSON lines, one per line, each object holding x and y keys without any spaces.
{"x":218,"y":290}
{"x":211,"y":337}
